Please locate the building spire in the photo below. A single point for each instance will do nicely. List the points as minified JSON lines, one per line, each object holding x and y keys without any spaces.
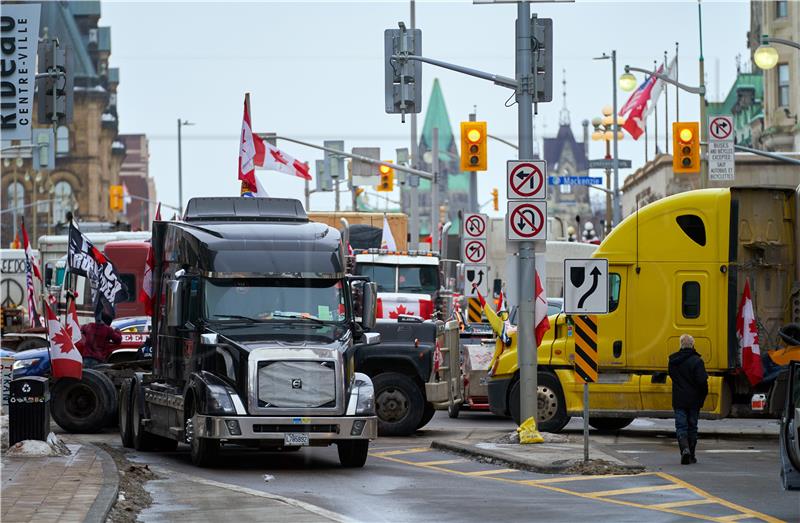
{"x":563,"y":116}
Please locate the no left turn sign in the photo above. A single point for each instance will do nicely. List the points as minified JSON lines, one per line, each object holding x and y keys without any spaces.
{"x":526,"y":179}
{"x":526,"y":221}
{"x":475,"y":251}
{"x":475,"y":226}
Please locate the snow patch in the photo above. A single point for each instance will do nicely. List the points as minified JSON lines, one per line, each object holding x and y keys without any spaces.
{"x":35,"y":448}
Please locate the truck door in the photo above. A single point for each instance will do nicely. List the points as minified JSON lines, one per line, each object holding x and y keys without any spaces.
{"x":790,"y":432}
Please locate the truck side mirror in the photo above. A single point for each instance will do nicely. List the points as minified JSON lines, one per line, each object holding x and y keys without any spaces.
{"x":369,"y":305}
{"x":174,"y":308}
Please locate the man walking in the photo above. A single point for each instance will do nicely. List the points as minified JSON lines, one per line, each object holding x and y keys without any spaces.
{"x":689,"y":391}
{"x":99,"y":341}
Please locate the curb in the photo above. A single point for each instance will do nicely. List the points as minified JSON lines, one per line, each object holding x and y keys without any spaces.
{"x":671,"y":434}
{"x":502,"y":458}
{"x":108,"y":492}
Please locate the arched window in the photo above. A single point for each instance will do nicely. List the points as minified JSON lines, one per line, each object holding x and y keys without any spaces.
{"x":62,"y":201}
{"x":15,"y":197}
{"x":62,"y":146}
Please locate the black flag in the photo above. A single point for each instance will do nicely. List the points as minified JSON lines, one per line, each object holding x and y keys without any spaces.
{"x":86,"y":260}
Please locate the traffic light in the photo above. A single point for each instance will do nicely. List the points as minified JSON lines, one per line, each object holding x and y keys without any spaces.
{"x":387,"y":178}
{"x":686,"y":147}
{"x":57,"y":78}
{"x":115,"y":198}
{"x":495,"y":199}
{"x":473,"y":146}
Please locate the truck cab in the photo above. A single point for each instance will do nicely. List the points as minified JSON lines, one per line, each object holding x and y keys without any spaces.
{"x":254,"y":327}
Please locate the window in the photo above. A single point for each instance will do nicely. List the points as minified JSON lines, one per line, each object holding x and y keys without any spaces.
{"x":420,"y":279}
{"x":614,"y":284}
{"x":383,"y":275}
{"x":781,"y":9}
{"x":694,"y":228}
{"x":690,"y":299}
{"x":62,"y":201}
{"x":129,"y":281}
{"x":783,"y":85}
{"x":16,"y":196}
{"x":62,"y":143}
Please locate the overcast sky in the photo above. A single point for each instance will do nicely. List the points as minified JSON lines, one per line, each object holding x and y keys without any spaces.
{"x":315,"y":72}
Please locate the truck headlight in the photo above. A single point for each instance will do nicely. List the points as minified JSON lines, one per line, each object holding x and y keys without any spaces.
{"x":24,"y":364}
{"x":218,"y":401}
{"x":365,"y":402}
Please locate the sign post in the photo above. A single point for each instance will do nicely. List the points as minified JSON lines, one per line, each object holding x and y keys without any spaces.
{"x":721,"y":156}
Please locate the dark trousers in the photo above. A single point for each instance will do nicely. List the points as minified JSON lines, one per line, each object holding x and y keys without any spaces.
{"x":686,"y":423}
{"x":89,"y":363}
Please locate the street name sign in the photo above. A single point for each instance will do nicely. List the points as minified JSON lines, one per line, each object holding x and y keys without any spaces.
{"x":526,"y":221}
{"x":476,"y":275}
{"x":608,"y":163}
{"x":586,"y":286}
{"x":474,"y":251}
{"x":475,"y":226}
{"x":526,"y":179}
{"x":575,"y":180}
{"x":721,"y":153}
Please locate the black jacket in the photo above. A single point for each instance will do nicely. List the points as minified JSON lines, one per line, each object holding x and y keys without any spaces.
{"x":689,"y":379}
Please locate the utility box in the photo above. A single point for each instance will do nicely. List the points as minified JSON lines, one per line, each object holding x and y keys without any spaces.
{"x":28,"y":410}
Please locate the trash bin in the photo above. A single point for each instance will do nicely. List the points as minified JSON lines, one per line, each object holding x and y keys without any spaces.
{"x":28,"y":409}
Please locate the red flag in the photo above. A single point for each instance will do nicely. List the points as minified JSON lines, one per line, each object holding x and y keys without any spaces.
{"x":637,"y":105}
{"x":29,"y":253}
{"x":158,"y":212}
{"x":146,"y":292}
{"x":540,"y":312}
{"x":249,"y":145}
{"x":65,"y":359}
{"x":747,"y":332}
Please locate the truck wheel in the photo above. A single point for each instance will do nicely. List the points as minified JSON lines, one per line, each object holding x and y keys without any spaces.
{"x":83,"y":405}
{"x":427,"y":415}
{"x":551,"y":408}
{"x":204,"y":451}
{"x":610,"y":424}
{"x":142,"y":440}
{"x":353,"y":454}
{"x":453,"y":410}
{"x":399,"y":404}
{"x":124,"y":409}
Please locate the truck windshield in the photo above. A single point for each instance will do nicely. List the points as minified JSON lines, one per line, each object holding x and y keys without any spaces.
{"x":274,"y":299}
{"x":420,"y":279}
{"x":383,"y":275}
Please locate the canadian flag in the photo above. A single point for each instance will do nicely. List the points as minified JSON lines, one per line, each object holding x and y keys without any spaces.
{"x":65,"y":359}
{"x":747,"y":332}
{"x":146,"y":292}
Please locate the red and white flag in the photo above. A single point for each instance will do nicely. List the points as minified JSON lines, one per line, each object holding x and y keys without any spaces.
{"x":29,"y":253}
{"x":274,"y":159}
{"x":146,"y":292}
{"x":247,"y":147}
{"x":747,"y":332}
{"x":65,"y":359}
{"x":637,"y":105}
{"x":540,"y":312}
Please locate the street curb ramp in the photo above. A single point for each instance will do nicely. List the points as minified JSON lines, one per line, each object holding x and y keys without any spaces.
{"x":108,"y":492}
{"x":559,"y":466}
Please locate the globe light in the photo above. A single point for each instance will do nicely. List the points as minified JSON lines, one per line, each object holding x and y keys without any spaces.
{"x":597,"y":136}
{"x":596,"y":121}
{"x":627,"y":82}
{"x":609,"y":135}
{"x":608,"y":120}
{"x":608,"y":110}
{"x":766,"y":56}
{"x":620,"y":135}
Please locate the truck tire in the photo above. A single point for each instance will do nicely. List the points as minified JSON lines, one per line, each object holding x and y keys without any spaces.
{"x":204,"y":452}
{"x":453,"y":410}
{"x":551,"y":408}
{"x":427,"y":415}
{"x":83,"y":406}
{"x":353,"y":454}
{"x":124,"y":409}
{"x":143,"y":441}
{"x":399,"y":404}
{"x":609,"y":424}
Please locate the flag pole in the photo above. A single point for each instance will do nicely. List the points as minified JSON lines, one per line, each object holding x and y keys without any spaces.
{"x":655,"y":118}
{"x":677,"y":90}
{"x":666,"y":107}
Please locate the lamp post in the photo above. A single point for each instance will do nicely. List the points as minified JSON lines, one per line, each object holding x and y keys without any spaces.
{"x":181,"y":123}
{"x":603,"y":130}
{"x":615,"y":135}
{"x":766,"y":56}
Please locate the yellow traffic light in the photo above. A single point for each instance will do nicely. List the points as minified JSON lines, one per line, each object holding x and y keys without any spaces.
{"x":115,"y":198}
{"x":686,"y":147}
{"x":473,"y":146}
{"x":387,"y":178}
{"x":495,"y":199}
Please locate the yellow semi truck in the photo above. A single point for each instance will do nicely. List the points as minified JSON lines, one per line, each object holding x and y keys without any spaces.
{"x":677,"y":266}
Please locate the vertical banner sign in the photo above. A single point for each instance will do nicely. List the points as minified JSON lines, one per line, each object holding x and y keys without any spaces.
{"x":19,"y":30}
{"x":721,"y":157}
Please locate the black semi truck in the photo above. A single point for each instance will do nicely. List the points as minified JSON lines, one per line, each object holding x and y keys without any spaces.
{"x":254,"y":330}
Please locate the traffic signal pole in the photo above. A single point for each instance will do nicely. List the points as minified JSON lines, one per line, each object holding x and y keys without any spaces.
{"x":413,"y":180}
{"x":435,"y":191}
{"x":526,"y":286}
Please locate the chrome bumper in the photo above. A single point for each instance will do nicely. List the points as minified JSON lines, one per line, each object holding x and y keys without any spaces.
{"x":319,"y":428}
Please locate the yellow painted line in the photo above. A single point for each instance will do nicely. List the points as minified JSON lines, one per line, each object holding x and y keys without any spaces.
{"x":686,"y":503}
{"x":491,"y":472}
{"x":441,"y":462}
{"x":633,"y":490}
{"x":735,"y":517}
{"x":402,"y":451}
{"x":535,"y":482}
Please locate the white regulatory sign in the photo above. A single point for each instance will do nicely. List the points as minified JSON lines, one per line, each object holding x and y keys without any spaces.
{"x":527,"y":179}
{"x":475,"y":226}
{"x":586,"y":286}
{"x":474,"y":251}
{"x":478,"y":275}
{"x":526,"y":220}
{"x":721,"y":153}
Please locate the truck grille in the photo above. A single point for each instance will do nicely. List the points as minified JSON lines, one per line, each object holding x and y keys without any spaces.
{"x":296,"y":384}
{"x":316,"y":429}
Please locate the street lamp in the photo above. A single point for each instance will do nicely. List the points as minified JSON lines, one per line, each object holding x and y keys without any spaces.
{"x":181,"y":123}
{"x":766,"y":56}
{"x":627,"y":82}
{"x":614,"y":120}
{"x":604,"y":130}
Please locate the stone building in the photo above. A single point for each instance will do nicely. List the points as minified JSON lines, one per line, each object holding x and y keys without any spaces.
{"x":780,"y":129}
{"x":140,"y":207}
{"x":89,"y":154}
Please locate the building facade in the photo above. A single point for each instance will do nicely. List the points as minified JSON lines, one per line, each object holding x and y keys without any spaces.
{"x":140,"y":188}
{"x":781,"y":125}
{"x":89,"y":154}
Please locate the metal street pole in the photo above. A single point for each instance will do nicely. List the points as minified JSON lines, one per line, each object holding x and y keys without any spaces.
{"x":703,"y":126}
{"x":180,"y":172}
{"x":307,"y":194}
{"x":413,"y":180}
{"x":526,"y":289}
{"x":617,"y":199}
{"x":609,"y":203}
{"x":336,"y":201}
{"x":435,"y":191}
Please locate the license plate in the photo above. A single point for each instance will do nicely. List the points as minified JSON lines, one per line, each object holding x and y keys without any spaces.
{"x":295,"y":440}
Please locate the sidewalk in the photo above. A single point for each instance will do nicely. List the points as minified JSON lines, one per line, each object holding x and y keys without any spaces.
{"x":75,"y":488}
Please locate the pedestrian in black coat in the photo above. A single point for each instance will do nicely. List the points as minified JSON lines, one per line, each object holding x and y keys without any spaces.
{"x":689,"y":391}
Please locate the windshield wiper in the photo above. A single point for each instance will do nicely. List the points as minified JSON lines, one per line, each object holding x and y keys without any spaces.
{"x":298,"y":317}
{"x":237,"y":317}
